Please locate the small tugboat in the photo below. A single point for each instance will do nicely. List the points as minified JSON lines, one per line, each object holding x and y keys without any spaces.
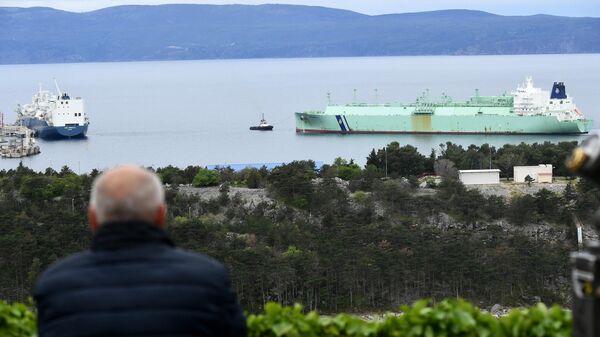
{"x":263,"y":126}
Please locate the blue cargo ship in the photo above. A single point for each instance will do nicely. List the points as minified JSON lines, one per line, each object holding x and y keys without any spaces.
{"x":54,"y":116}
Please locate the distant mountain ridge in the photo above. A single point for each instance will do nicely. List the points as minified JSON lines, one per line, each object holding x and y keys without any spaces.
{"x":180,"y":32}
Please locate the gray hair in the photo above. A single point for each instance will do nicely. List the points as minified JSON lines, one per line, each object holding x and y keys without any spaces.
{"x":139,"y":200}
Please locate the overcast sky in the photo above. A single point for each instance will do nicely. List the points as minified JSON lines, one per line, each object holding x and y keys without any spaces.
{"x":507,"y":7}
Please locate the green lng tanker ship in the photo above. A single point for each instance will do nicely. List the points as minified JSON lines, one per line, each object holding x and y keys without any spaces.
{"x":528,"y":110}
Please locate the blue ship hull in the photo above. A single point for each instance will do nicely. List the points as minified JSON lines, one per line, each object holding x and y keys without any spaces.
{"x":54,"y":132}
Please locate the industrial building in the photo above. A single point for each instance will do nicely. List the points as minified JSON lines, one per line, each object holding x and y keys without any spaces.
{"x":540,"y":174}
{"x":479,"y":177}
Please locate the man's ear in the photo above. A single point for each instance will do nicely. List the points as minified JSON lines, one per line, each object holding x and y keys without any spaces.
{"x":160,"y":217}
{"x":92,"y":219}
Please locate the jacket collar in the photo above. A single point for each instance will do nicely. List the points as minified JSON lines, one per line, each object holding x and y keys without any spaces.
{"x":128,"y":234}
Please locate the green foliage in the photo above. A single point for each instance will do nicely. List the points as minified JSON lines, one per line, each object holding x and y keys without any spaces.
{"x":363,"y":252}
{"x":360,"y":196}
{"x":16,"y":320}
{"x":509,"y":155}
{"x":277,"y":321}
{"x":538,"y":321}
{"x":293,"y":182}
{"x":206,"y":177}
{"x":449,"y":318}
{"x":320,"y":245}
{"x":174,"y":176}
{"x":349,"y":172}
{"x":252,"y":177}
{"x":341,"y":168}
{"x":402,"y":161}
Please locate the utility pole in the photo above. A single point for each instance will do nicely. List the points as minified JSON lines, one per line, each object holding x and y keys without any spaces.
{"x":385,"y":150}
{"x":579,"y":227}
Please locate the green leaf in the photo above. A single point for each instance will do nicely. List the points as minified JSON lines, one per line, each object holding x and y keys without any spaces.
{"x":282,"y":328}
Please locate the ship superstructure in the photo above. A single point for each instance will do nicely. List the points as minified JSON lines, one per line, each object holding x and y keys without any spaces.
{"x":54,"y":116}
{"x":527,"y":110}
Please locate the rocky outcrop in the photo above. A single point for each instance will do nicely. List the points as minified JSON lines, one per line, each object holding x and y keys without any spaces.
{"x":508,"y":189}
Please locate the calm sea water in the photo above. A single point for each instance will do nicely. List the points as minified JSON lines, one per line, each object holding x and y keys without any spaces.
{"x":198,"y":112}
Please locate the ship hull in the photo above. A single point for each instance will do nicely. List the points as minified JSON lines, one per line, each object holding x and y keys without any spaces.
{"x":44,"y":131}
{"x":438,"y":124}
{"x":262,"y":128}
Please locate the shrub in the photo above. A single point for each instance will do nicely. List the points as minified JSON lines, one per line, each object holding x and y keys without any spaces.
{"x":206,"y":177}
{"x":16,"y":320}
{"x":538,"y":321}
{"x":349,"y":172}
{"x":449,"y":318}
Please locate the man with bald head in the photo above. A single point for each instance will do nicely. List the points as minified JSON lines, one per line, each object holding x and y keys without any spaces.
{"x":133,"y":281}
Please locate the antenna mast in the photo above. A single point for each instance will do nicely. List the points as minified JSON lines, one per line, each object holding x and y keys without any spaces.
{"x":57,"y":87}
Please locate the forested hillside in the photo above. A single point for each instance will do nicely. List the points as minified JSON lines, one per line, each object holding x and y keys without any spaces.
{"x":183,"y":32}
{"x":342,"y":238}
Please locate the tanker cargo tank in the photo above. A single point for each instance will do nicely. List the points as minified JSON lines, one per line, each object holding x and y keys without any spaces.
{"x":528,"y":110}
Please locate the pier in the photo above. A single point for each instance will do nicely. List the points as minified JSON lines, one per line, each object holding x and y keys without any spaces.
{"x":16,"y":141}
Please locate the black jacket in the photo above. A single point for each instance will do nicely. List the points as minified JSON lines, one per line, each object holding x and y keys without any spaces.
{"x":134,"y":282}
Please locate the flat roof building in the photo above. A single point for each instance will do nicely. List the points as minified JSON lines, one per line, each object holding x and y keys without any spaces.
{"x":479,"y":177}
{"x":540,"y":174}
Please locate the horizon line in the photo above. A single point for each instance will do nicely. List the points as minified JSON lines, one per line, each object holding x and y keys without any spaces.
{"x":291,"y":5}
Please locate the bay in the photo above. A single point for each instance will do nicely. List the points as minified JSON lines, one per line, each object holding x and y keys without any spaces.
{"x":198,"y":112}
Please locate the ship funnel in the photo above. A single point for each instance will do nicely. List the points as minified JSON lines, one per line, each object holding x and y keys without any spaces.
{"x":558,"y":91}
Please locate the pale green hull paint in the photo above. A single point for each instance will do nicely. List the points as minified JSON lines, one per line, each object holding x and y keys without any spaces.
{"x":434,"y":119}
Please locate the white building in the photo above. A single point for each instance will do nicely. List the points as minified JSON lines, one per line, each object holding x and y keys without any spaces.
{"x":479,"y":177}
{"x":541,"y":173}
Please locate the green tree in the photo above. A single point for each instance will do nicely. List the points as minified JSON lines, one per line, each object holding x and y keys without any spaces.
{"x":293,"y":182}
{"x":400,"y":161}
{"x":253,"y":178}
{"x":346,"y":170}
{"x":373,"y":159}
{"x":206,"y":177}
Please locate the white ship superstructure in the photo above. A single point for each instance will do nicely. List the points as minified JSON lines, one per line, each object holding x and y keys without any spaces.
{"x":529,"y":100}
{"x":54,"y":116}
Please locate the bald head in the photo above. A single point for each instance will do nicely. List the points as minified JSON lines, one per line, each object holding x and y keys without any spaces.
{"x":127,"y":193}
